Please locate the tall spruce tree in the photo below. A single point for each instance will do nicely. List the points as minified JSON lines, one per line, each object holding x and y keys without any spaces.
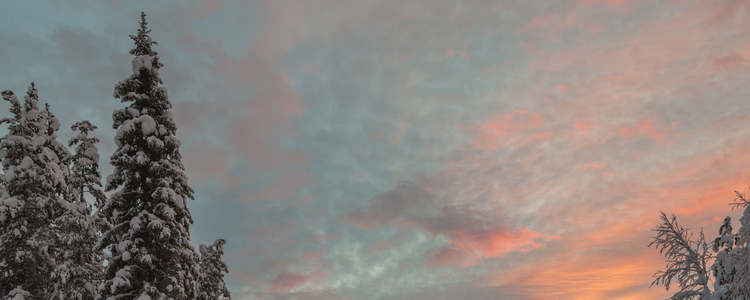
{"x":34,"y":182}
{"x":212,"y":286}
{"x":151,"y":255}
{"x":79,"y":269}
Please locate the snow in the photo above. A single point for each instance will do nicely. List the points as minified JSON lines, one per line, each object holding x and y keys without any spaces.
{"x":143,"y":297}
{"x":121,"y":279}
{"x":135,"y":223}
{"x":123,"y":246}
{"x":126,"y":127}
{"x":133,"y":112}
{"x":11,"y":202}
{"x":32,"y":114}
{"x":143,"y":61}
{"x":148,"y":125}
{"x":92,"y":152}
{"x":26,"y":163}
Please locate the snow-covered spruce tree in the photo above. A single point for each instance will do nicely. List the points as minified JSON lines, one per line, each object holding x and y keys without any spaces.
{"x":723,"y":267}
{"x":151,"y":255}
{"x":686,"y":260}
{"x":79,"y":269}
{"x":212,"y":285}
{"x":34,"y":182}
{"x":737,"y":260}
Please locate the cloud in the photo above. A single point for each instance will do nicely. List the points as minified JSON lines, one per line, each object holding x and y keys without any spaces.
{"x":285,"y":281}
{"x":470,"y":234}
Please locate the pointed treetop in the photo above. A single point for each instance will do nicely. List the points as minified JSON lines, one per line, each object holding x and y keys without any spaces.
{"x":85,"y":126}
{"x":142,"y":41}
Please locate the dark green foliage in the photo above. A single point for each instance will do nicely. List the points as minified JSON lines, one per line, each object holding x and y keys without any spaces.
{"x":150,"y":239}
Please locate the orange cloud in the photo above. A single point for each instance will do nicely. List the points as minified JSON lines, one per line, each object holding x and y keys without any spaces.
{"x":590,"y":278}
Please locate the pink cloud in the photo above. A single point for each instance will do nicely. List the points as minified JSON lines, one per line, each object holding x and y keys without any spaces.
{"x":380,"y":246}
{"x":471,"y":235}
{"x":285,"y":281}
{"x":204,"y":162}
{"x":583,"y":126}
{"x":591,"y":166}
{"x":646,"y":127}
{"x":537,"y":21}
{"x":283,"y":189}
{"x":615,"y":3}
{"x":508,"y":124}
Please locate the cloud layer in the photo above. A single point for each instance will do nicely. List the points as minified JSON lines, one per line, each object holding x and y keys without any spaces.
{"x":424,"y":149}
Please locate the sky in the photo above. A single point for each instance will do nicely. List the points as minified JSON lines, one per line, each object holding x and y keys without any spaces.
{"x":423,"y":149}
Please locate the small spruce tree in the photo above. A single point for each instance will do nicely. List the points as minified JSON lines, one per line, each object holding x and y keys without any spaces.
{"x":212,"y":286}
{"x":34,"y":182}
{"x":737,"y":261}
{"x":79,"y":271}
{"x":151,"y":255}
{"x":723,"y":268}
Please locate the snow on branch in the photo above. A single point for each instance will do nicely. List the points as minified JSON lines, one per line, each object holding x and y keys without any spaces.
{"x":686,"y":260}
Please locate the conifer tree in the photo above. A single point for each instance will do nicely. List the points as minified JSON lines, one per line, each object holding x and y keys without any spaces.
{"x":212,"y":286}
{"x":79,"y":270}
{"x":151,"y":255}
{"x":723,"y":267}
{"x":34,"y":182}
{"x":737,"y":261}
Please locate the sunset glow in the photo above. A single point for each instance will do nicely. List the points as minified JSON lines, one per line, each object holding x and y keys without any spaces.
{"x":423,"y":149}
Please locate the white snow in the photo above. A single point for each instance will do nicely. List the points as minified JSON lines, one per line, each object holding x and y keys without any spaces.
{"x":126,"y":127}
{"x":148,"y":125}
{"x":11,"y":202}
{"x":121,"y":279}
{"x":93,"y":153}
{"x":143,"y":297}
{"x":143,"y":61}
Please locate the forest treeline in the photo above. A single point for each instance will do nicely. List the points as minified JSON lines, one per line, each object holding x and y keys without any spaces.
{"x":65,"y":236}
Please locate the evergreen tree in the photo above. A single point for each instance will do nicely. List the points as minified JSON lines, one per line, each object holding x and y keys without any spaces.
{"x":80,"y":266}
{"x":212,"y":285}
{"x":151,"y":255}
{"x":686,"y":260}
{"x":737,"y":260}
{"x":34,"y":182}
{"x":723,"y":267}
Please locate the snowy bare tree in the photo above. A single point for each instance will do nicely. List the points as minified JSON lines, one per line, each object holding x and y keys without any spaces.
{"x":151,"y":254}
{"x":34,"y":183}
{"x":79,"y":268}
{"x":686,"y":260}
{"x":212,"y":286}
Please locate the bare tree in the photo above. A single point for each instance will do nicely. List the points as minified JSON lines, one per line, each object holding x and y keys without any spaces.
{"x":686,"y":260}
